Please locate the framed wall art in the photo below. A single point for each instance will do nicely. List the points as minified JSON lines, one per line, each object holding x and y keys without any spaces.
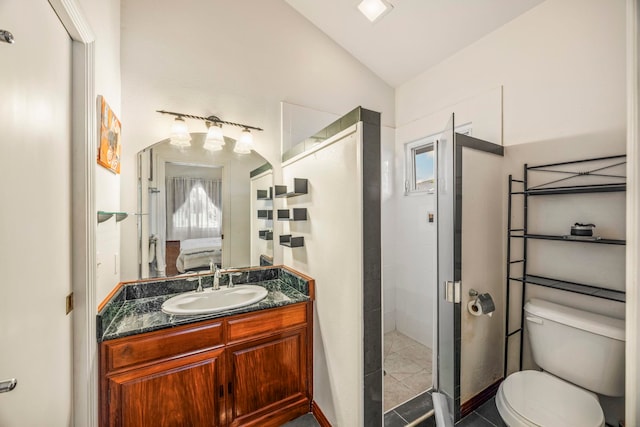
{"x":109,"y":143}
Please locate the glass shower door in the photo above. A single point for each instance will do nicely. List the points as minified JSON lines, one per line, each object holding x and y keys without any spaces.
{"x":448,"y":287}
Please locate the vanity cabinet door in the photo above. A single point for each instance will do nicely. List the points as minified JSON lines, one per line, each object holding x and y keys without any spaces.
{"x":268,"y":380}
{"x":182,"y":392}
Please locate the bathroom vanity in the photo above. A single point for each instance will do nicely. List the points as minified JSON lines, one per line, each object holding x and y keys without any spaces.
{"x":249,"y":366}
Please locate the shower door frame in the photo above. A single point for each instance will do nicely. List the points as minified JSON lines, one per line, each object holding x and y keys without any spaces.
{"x":448,"y":289}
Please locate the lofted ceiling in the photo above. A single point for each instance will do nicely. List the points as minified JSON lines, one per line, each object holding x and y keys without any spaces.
{"x":414,"y":36}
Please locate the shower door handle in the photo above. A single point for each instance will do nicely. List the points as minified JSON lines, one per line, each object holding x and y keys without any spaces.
{"x":452,"y":291}
{"x":8,"y":385}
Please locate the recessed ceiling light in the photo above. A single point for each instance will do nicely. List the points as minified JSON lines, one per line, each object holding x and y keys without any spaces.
{"x":374,"y":9}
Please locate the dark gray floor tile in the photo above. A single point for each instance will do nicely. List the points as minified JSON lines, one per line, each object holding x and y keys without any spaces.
{"x":416,"y":407}
{"x":489,"y":411}
{"x":474,"y":420}
{"x":392,"y":419}
{"x":307,"y":420}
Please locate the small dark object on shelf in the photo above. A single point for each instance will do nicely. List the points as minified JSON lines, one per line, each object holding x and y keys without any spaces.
{"x":582,"y":229}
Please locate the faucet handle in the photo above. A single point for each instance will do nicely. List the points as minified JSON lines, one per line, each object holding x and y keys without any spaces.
{"x":231,"y":275}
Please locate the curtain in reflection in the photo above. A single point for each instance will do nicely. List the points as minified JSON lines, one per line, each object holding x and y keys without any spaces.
{"x":194,"y":208}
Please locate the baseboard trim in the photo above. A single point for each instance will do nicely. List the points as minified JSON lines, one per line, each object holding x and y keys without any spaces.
{"x":476,"y":401}
{"x":317,"y":412}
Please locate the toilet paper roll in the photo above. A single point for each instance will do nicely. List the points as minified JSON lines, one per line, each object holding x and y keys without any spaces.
{"x":481,"y":305}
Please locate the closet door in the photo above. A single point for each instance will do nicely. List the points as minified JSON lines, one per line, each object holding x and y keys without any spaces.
{"x":35,"y":225}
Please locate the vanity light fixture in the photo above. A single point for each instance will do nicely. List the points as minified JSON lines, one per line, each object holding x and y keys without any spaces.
{"x":374,"y":9}
{"x":215,"y":138}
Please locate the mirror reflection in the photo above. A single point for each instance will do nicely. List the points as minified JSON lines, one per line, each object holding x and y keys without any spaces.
{"x":197,"y":208}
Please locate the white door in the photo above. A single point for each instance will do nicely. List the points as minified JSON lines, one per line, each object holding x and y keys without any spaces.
{"x":35,"y":216}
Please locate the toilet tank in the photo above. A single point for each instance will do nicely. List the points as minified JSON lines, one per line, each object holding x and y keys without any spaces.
{"x":584,"y":348}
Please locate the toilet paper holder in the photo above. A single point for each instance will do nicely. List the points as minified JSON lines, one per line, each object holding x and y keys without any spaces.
{"x":480,"y":304}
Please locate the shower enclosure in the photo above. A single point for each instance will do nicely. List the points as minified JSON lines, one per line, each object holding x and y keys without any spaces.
{"x":445,"y":256}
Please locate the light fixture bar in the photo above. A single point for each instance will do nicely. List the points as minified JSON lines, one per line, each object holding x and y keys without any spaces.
{"x":212,"y":119}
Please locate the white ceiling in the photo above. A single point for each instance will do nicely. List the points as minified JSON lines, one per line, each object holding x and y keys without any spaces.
{"x":415,"y":35}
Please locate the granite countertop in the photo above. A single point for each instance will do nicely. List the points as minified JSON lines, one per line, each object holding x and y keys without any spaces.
{"x":136,"y":307}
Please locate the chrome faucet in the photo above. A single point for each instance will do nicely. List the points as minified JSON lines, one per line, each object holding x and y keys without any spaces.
{"x":216,"y":279}
{"x":199,"y":288}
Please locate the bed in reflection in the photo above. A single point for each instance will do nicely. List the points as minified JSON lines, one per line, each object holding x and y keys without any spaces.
{"x":193,"y":254}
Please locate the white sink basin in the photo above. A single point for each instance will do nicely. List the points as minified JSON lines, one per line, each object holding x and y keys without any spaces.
{"x":211,"y":301}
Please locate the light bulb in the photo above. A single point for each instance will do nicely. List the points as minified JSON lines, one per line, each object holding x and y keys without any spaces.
{"x":214,"y":134}
{"x":244,"y":144}
{"x":179,"y":133}
{"x":215,"y":138}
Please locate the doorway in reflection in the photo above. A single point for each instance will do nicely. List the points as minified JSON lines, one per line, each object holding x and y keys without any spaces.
{"x":192,"y":226}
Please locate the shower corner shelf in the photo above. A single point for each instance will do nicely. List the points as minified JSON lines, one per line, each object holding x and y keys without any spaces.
{"x":601,"y":167}
{"x":104,"y":216}
{"x":295,"y":214}
{"x":265,"y":234}
{"x":265,"y":214}
{"x":291,"y":241}
{"x":300,"y":187}
{"x":265,"y":194}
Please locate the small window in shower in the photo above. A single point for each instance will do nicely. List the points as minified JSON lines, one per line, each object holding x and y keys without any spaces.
{"x":420,"y":163}
{"x":420,"y":166}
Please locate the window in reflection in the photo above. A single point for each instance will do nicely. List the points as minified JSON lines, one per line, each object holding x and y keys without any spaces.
{"x":193,"y":208}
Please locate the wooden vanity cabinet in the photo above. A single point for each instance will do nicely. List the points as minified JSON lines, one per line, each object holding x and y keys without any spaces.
{"x":252,"y":369}
{"x":269,"y":366}
{"x":179,"y":392}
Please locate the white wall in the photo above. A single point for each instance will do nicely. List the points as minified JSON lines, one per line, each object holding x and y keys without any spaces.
{"x":239,"y":68}
{"x":332,"y":255}
{"x":633,"y":205}
{"x":104,"y":18}
{"x":561,"y":65}
{"x":561,"y":70}
{"x":389,"y":228}
{"x":414,"y":275}
{"x":259,"y":246}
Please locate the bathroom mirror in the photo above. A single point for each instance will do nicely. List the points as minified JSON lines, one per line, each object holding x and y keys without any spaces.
{"x":196,"y":207}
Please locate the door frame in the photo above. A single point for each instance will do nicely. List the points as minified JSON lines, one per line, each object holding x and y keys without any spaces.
{"x":632,"y":415}
{"x":83,"y":268}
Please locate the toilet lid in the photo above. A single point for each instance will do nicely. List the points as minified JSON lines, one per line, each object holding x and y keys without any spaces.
{"x":545,"y":400}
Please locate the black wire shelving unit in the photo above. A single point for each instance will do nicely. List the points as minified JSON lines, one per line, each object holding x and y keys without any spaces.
{"x":600,"y":168}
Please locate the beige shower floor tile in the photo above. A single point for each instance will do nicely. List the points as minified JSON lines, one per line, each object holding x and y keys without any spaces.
{"x":408,"y":366}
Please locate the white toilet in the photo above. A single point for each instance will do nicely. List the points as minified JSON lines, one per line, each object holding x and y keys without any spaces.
{"x":581,"y":354}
